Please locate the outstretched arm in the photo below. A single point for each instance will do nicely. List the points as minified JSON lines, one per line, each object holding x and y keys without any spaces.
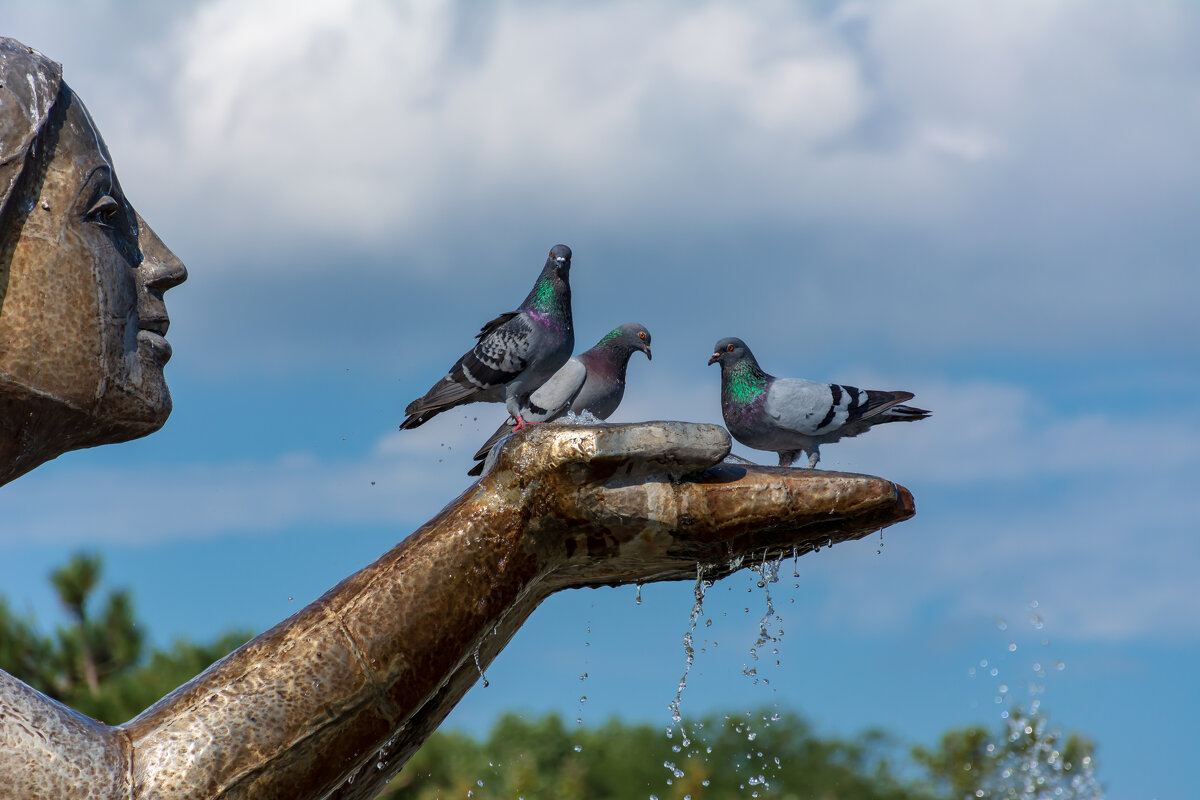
{"x":332,"y":701}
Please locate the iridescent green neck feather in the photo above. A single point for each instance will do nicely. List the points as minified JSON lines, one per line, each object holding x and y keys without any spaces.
{"x":745,"y":382}
{"x":543,"y":294}
{"x":608,"y":337}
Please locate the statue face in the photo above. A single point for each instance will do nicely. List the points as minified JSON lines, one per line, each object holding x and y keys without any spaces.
{"x":82,"y":317}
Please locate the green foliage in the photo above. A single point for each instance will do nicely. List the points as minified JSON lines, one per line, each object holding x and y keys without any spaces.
{"x":97,"y":663}
{"x":1028,"y":760}
{"x":717,"y":757}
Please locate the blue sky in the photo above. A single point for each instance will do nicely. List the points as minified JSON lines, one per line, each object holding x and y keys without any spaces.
{"x":991,"y":205}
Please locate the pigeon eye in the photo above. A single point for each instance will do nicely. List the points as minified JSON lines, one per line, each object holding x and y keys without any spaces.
{"x":641,"y":336}
{"x":730,"y":348}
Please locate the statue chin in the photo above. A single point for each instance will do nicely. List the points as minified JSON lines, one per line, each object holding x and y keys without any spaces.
{"x":37,"y":427}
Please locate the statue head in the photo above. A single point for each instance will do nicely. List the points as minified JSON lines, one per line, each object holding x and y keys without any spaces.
{"x":82,"y":277}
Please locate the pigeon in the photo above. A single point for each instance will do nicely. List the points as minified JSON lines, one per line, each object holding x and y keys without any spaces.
{"x":516,"y":353}
{"x":592,"y":381}
{"x":790,"y":415}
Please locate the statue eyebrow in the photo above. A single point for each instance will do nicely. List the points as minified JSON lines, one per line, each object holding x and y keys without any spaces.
{"x":100,"y":178}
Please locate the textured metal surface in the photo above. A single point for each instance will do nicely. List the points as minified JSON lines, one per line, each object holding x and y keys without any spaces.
{"x":81,"y":279}
{"x":333,"y":700}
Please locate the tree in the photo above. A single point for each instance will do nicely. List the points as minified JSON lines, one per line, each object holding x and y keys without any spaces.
{"x":97,"y":663}
{"x":719,"y":757}
{"x":1029,"y":759}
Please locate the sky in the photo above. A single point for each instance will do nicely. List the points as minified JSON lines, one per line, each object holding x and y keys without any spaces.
{"x":990,"y":205}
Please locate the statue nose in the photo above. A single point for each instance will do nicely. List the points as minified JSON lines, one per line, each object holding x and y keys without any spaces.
{"x":161,"y":268}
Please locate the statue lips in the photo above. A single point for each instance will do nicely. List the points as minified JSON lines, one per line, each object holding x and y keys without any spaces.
{"x":152,"y":334}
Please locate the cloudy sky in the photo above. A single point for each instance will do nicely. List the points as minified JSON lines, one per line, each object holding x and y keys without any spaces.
{"x":991,"y":205}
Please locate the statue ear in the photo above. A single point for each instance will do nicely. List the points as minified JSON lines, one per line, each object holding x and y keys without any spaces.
{"x":29,"y":87}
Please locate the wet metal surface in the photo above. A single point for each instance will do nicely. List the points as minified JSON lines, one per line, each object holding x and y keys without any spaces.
{"x":333,"y":700}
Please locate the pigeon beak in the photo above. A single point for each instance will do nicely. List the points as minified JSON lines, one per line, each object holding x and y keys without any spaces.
{"x":646,"y":350}
{"x":715,"y":358}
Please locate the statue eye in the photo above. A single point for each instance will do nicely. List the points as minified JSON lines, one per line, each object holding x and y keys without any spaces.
{"x":103,"y":210}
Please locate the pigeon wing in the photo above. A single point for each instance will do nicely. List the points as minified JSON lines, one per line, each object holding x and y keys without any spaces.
{"x":492,"y":325}
{"x":799,"y":405}
{"x":500,"y":355}
{"x":552,"y":399}
{"x":549,"y":402}
{"x":815,"y":409}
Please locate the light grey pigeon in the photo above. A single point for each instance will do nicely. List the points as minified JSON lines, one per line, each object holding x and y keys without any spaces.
{"x":517,"y":351}
{"x":789,"y":415}
{"x":592,"y":381}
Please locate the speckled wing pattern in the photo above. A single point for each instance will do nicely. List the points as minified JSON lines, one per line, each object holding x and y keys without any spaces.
{"x":502,"y":353}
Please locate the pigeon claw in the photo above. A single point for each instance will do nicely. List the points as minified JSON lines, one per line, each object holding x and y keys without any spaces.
{"x":522,"y":423}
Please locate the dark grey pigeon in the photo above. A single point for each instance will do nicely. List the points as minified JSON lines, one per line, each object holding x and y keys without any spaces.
{"x":517,"y":351}
{"x":592,"y":381}
{"x":790,"y":415}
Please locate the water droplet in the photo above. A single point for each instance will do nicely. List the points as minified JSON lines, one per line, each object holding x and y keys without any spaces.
{"x":479,"y":667}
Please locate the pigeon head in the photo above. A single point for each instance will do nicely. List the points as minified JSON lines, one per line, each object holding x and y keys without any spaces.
{"x":627,"y":338}
{"x":559,"y":259}
{"x":729,"y":351}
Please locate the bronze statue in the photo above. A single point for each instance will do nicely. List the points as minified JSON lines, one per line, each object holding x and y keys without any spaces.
{"x":82,"y":277}
{"x":332,"y":701}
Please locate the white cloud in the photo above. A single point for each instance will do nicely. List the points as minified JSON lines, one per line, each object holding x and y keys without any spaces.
{"x":379,"y":118}
{"x":1108,"y":559}
{"x":404,"y":480}
{"x":1015,"y":502}
{"x":1108,"y":547}
{"x":962,"y":176}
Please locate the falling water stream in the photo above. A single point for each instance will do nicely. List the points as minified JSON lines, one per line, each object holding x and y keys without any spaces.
{"x":1029,"y":760}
